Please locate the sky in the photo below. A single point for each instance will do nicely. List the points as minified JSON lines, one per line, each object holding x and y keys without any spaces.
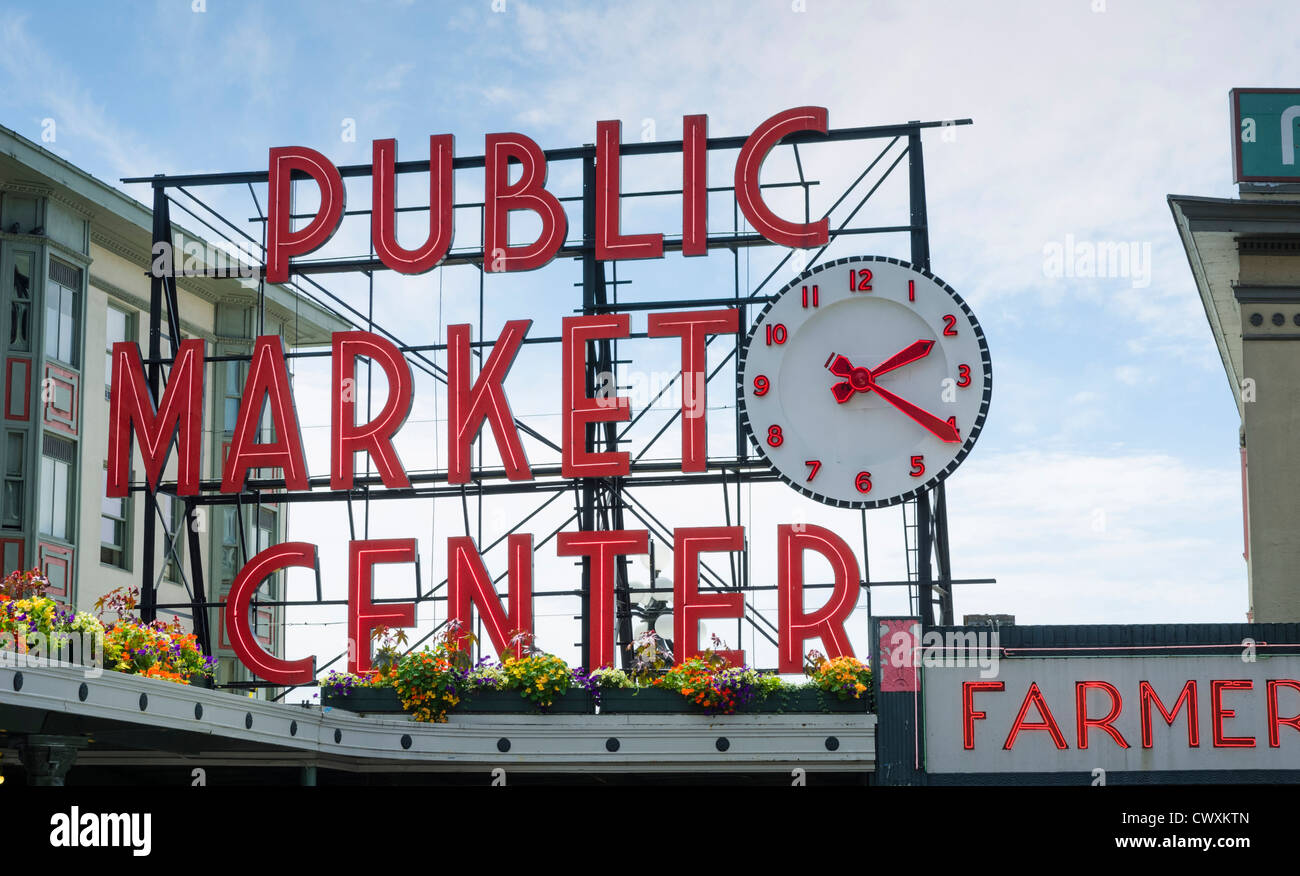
{"x":1106,"y":485}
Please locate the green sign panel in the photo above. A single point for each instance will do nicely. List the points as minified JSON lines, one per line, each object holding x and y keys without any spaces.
{"x":1266,"y":134}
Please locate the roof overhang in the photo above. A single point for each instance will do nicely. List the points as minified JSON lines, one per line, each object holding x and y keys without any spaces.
{"x":1210,"y":230}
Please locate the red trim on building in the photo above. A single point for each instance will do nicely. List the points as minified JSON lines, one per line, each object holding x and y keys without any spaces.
{"x":61,"y":419}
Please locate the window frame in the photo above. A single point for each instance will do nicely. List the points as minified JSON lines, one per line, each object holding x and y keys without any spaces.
{"x":124,"y":560}
{"x":48,"y":486}
{"x":129,"y":334}
{"x":55,"y":290}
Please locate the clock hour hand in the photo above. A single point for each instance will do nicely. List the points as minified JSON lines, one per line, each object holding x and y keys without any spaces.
{"x":857,"y":379}
{"x":942,"y":429}
{"x":839,"y":365}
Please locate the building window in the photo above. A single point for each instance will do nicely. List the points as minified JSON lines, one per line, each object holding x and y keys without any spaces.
{"x":11,"y":508}
{"x":229,"y":542}
{"x":118,"y":328}
{"x":20,"y":310}
{"x":233,"y":386}
{"x":172,"y":511}
{"x":63,"y":313}
{"x":57,"y":487}
{"x":113,"y":541}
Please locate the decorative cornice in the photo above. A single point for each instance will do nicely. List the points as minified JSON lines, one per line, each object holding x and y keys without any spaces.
{"x":118,"y":246}
{"x":40,"y":191}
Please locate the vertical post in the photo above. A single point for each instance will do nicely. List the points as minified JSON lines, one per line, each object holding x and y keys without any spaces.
{"x":921,"y":259}
{"x":161,"y":234}
{"x":590,"y":267}
{"x":941,"y":556}
{"x":202,"y":628}
{"x":594,"y":298}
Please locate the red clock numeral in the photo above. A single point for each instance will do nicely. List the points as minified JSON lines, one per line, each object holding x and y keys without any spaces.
{"x":963,"y":376}
{"x":952,"y":421}
{"x":777,"y":334}
{"x":911,"y":290}
{"x":860,"y":281}
{"x":863,"y":482}
{"x":949,"y":323}
{"x":815,"y":465}
{"x":774,"y":438}
{"x":918,"y":466}
{"x":815,"y":302}
{"x":761,"y":385}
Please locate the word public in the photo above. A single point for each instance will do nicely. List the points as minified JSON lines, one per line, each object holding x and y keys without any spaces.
{"x":528,"y":193}
{"x":137,"y":419}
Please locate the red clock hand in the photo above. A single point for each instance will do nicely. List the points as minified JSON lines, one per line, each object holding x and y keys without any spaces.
{"x":941,"y":428}
{"x":910,"y":353}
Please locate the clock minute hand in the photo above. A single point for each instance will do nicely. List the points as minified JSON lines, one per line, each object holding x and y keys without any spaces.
{"x":941,"y":428}
{"x":918,"y":350}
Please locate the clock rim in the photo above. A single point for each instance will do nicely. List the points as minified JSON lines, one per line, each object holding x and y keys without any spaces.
{"x":973,"y":433}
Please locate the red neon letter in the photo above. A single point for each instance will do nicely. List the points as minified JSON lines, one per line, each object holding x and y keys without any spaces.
{"x":603,"y":548}
{"x":1081,"y":712}
{"x":1035,"y":697}
{"x":578,"y":409}
{"x":1274,"y":722}
{"x":1218,"y":713}
{"x":266,"y":666}
{"x":610,"y":244}
{"x":1147,"y":696}
{"x":375,"y":437}
{"x":383,"y":216}
{"x":528,"y":194}
{"x":689,"y":605}
{"x":693,"y":328}
{"x":266,"y":378}
{"x":468,"y":583}
{"x":468,"y":407}
{"x":968,"y":714}
{"x":794,"y":626}
{"x":750,"y":197}
{"x":281,"y":240}
{"x":181,"y":414}
{"x":363,"y":615}
{"x":695,"y":185}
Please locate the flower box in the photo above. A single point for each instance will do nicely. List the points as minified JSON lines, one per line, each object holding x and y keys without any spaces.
{"x":511,"y":702}
{"x":644,"y":701}
{"x":365,"y":700}
{"x":807,"y":700}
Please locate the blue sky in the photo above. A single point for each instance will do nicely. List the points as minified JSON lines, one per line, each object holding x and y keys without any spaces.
{"x":1106,"y":486}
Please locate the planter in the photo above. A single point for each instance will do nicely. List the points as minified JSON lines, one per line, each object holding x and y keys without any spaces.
{"x":365,"y":700}
{"x":808,"y":700}
{"x":657,"y":701}
{"x":509,"y":702}
{"x":645,"y":701}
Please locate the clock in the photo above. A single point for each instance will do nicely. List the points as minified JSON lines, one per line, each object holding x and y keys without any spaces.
{"x":864,"y":382}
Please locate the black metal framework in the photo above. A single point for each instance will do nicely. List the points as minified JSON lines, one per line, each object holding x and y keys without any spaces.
{"x":599,"y":503}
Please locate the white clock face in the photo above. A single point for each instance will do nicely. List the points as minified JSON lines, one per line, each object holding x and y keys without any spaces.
{"x":865,"y":382}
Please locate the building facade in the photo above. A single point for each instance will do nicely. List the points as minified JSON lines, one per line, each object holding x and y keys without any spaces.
{"x":74,"y":260}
